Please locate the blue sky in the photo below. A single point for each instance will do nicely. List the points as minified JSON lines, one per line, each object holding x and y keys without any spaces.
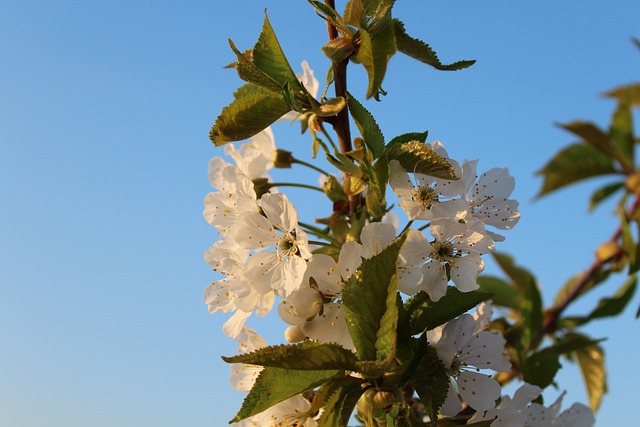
{"x":105,"y":108}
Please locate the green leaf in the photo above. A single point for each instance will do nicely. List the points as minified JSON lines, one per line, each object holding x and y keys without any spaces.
{"x":270,"y":59}
{"x":248,"y":72}
{"x":604,"y":193}
{"x":254,"y":111}
{"x":415,"y":157}
{"x":531,"y":309}
{"x":504,"y":293}
{"x":592,"y":134}
{"x":308,"y":355}
{"x":621,"y":130}
{"x":569,"y":286}
{"x":340,"y":397}
{"x":367,"y":125}
{"x":337,"y":50}
{"x":343,"y":163}
{"x":369,"y":302}
{"x":431,"y":381}
{"x":417,"y":49}
{"x":408,"y":137}
{"x":624,"y":93}
{"x":631,"y":247}
{"x":572,"y":164}
{"x":425,"y":314}
{"x":375,"y":48}
{"x":540,"y":368}
{"x":331,"y":107}
{"x":572,"y":341}
{"x":592,"y":365}
{"x":274,"y":385}
{"x":331,"y":16}
{"x":520,"y":276}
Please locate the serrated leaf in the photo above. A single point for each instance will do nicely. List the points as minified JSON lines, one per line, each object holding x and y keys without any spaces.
{"x":274,"y":385}
{"x":341,"y":396}
{"x":271,"y":60}
{"x":248,"y":72}
{"x":308,"y":355}
{"x":431,"y":381}
{"x":331,"y":16}
{"x":246,"y":116}
{"x":367,"y":125}
{"x":417,"y":49}
{"x":540,"y":368}
{"x":520,"y":276}
{"x":408,"y":137}
{"x":531,"y":309}
{"x":369,"y":302}
{"x":592,"y":365}
{"x":573,"y":164}
{"x":415,"y":157}
{"x":621,"y":130}
{"x":504,"y":294}
{"x":426,"y":314}
{"x":604,"y":193}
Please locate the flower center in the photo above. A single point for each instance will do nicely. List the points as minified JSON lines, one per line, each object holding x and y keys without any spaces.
{"x":443,"y":251}
{"x":425,"y":195}
{"x":287,"y":245}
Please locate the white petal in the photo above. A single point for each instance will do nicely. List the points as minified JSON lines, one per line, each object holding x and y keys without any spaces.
{"x":216,"y":165}
{"x":524,"y":395}
{"x":331,"y":326}
{"x":578,"y":415}
{"x":233,"y":326}
{"x":434,"y":280}
{"x":288,"y":275}
{"x":377,"y":236}
{"x":279,"y":211}
{"x":253,"y":231}
{"x":350,"y":258}
{"x":260,"y":270}
{"x":486,"y":351}
{"x":243,"y":376}
{"x":324,"y":270}
{"x":478,"y":390}
{"x":451,"y":405}
{"x":464,"y":272}
{"x":458,"y":331}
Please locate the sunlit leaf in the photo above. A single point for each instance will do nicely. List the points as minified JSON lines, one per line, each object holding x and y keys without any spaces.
{"x":572,"y":341}
{"x":592,"y":365}
{"x":630,"y":92}
{"x":408,"y":137}
{"x":367,"y":125}
{"x":340,"y":397}
{"x":415,"y":157}
{"x":248,"y":72}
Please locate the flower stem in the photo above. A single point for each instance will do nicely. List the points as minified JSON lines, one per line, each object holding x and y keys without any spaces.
{"x":294,"y":184}
{"x":318,"y":232}
{"x":309,"y":165}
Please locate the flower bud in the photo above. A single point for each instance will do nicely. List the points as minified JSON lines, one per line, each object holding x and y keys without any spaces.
{"x":333,"y":189}
{"x":283,"y":159}
{"x":294,"y":334}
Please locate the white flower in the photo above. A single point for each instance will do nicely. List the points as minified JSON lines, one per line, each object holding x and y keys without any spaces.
{"x":459,"y":246}
{"x":511,"y":412}
{"x":236,"y":195}
{"x":234,"y":292}
{"x":309,"y":81}
{"x":464,"y":353}
{"x":243,"y":375}
{"x":288,"y":413}
{"x":282,"y":267}
{"x":578,"y":415}
{"x":329,"y":326}
{"x":255,"y":157}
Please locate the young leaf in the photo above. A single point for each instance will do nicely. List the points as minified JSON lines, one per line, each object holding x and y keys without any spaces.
{"x":367,"y":125}
{"x":604,"y":193}
{"x":341,"y":396}
{"x":415,"y":157}
{"x":520,"y":276}
{"x":337,"y":50}
{"x":572,"y":164}
{"x":426,"y":314}
{"x":308,"y":355}
{"x":331,"y":16}
{"x":274,"y":385}
{"x":408,"y":137}
{"x":248,"y":72}
{"x":592,"y":134}
{"x":253,"y":112}
{"x":369,"y":302}
{"x":592,"y":365}
{"x":540,"y":368}
{"x":270,"y":59}
{"x":417,"y":49}
{"x":630,"y":92}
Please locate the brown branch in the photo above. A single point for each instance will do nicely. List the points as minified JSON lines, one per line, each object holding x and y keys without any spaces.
{"x":554,"y":312}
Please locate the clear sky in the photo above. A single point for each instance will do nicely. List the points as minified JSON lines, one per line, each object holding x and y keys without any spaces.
{"x":105,"y":108}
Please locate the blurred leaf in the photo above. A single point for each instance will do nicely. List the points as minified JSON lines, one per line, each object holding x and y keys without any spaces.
{"x":254,"y":111}
{"x":541,"y":367}
{"x":408,"y":137}
{"x":569,"y":286}
{"x":520,"y":276}
{"x":274,"y":385}
{"x":415,"y":157}
{"x":572,"y":341}
{"x":369,"y":302}
{"x":592,"y":365}
{"x":603,"y":193}
{"x":531,"y":309}
{"x":427,"y":314}
{"x":630,"y":92}
{"x":630,"y":246}
{"x":270,"y":59}
{"x":572,"y":164}
{"x":417,"y":49}
{"x":340,"y":397}
{"x":621,"y":130}
{"x":367,"y":125}
{"x":308,"y":355}
{"x":504,"y":294}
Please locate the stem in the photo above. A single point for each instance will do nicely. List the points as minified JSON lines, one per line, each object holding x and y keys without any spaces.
{"x":319,"y":243}
{"x":311,"y":166}
{"x":341,"y":122}
{"x":294,"y":184}
{"x":318,"y":232}
{"x":550,"y":322}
